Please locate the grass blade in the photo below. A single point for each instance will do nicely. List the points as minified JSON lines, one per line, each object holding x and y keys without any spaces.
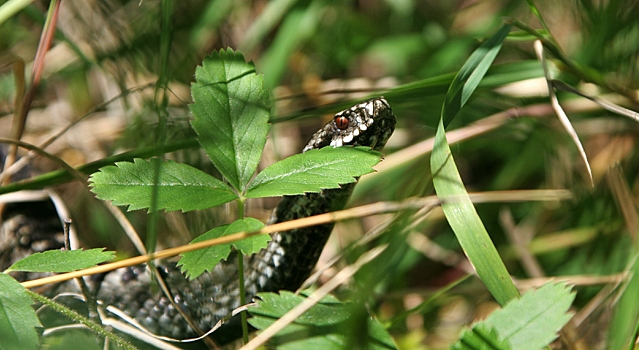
{"x":461,"y":213}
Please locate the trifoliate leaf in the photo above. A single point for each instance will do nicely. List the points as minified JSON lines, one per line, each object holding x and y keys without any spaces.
{"x":17,"y":317}
{"x":179,"y":186}
{"x":197,"y":262}
{"x":62,"y":261}
{"x":231,"y":111}
{"x":313,"y":171}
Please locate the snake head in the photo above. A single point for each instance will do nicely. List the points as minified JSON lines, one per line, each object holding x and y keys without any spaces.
{"x":369,"y":123}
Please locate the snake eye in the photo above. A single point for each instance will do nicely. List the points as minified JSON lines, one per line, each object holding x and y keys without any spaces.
{"x":341,"y":122}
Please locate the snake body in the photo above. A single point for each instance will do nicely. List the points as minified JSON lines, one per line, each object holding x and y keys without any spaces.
{"x":283,"y":265}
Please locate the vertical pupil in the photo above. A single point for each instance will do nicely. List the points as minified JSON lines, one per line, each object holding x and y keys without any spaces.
{"x":341,"y":122}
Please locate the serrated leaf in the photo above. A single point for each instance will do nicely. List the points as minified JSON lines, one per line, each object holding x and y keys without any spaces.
{"x":329,"y":311}
{"x":480,"y":337}
{"x":62,"y":261}
{"x":17,"y":317}
{"x":180,"y":186}
{"x":250,"y":245}
{"x":313,"y":171}
{"x":324,"y":326}
{"x":533,"y":321}
{"x":231,"y":111}
{"x":197,"y":262}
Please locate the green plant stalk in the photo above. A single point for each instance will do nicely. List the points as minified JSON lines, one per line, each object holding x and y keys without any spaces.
{"x":154,"y":216}
{"x":94,"y":327}
{"x":240,"y":268}
{"x":151,"y":240}
{"x":165,"y":45}
{"x":160,"y":106}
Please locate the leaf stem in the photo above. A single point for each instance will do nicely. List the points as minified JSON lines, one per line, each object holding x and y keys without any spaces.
{"x":240,"y":268}
{"x":73,"y":315}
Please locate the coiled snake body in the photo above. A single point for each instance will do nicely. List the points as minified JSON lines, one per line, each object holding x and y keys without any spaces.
{"x":283,"y":265}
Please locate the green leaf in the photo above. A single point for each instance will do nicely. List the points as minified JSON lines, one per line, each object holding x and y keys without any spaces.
{"x":250,"y":245}
{"x":457,"y":206}
{"x":62,"y":261}
{"x":313,"y":171}
{"x":72,"y":339}
{"x":533,"y":321}
{"x":625,"y":320}
{"x":197,"y":262}
{"x":480,"y":337}
{"x":328,"y":311}
{"x":180,"y":187}
{"x":324,"y":326}
{"x":17,"y":317}
{"x":530,"y":322}
{"x":231,"y":111}
{"x":471,"y":74}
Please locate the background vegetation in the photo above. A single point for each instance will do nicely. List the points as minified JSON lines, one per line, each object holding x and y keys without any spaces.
{"x":121,"y":70}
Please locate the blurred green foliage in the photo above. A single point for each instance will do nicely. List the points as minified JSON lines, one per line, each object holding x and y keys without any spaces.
{"x":318,"y":56}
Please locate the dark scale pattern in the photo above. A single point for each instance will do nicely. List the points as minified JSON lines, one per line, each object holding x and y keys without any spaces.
{"x":27,"y":228}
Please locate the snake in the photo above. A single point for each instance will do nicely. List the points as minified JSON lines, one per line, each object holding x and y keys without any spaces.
{"x":284,"y":264}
